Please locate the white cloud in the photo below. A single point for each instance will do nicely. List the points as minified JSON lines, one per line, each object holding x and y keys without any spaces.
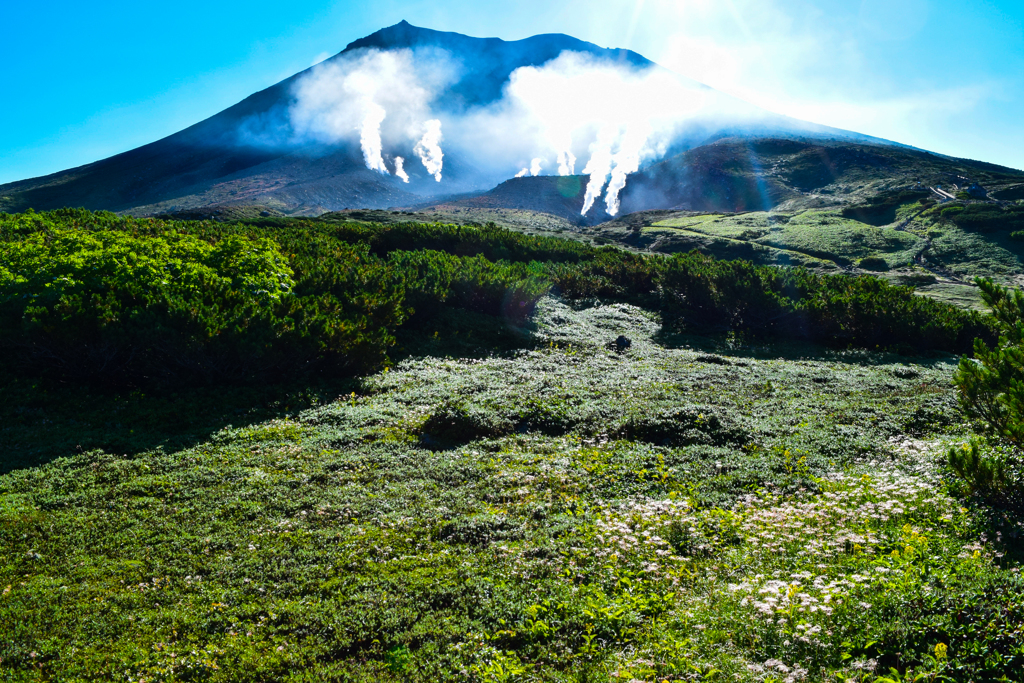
{"x":574,"y":106}
{"x":831,"y":66}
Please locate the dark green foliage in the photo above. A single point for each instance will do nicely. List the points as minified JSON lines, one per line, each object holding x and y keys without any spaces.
{"x":991,"y":390}
{"x":610,"y":273}
{"x":451,"y":423}
{"x":991,"y":384}
{"x":683,"y":426}
{"x":436,"y":278}
{"x":106,"y":302}
{"x":873,"y":263}
{"x":490,"y":241}
{"x":985,"y":217}
{"x":124,"y":300}
{"x":795,"y":303}
{"x":881,"y":209}
{"x":480,"y":530}
{"x":984,"y":475}
{"x":1010,"y":193}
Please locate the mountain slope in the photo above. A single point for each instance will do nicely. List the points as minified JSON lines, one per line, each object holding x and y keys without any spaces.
{"x":186,"y":168}
{"x":220,"y":160}
{"x":737,"y":175}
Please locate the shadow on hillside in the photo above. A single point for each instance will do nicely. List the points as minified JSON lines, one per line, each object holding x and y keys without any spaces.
{"x":739,"y":347}
{"x":454,"y":333}
{"x":43,"y":420}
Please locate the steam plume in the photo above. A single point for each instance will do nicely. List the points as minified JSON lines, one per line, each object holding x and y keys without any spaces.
{"x":599,"y":166}
{"x":429,"y":148}
{"x":400,"y":169}
{"x":627,"y":161}
{"x":369,"y":138}
{"x":384,"y":95}
{"x":570,"y":108}
{"x":566,"y":162}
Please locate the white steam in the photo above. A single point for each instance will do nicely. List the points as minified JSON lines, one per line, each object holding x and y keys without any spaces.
{"x":573,"y":107}
{"x":626,"y":161}
{"x":369,"y":138}
{"x":400,"y":169}
{"x":599,"y":166}
{"x":628,"y":115}
{"x":566,"y":162}
{"x":382,"y":96}
{"x":428,"y":149}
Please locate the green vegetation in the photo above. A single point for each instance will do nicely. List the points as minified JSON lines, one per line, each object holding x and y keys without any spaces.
{"x":956,"y":242}
{"x":991,"y":390}
{"x":985,"y":217}
{"x":961,"y":295}
{"x":882,"y":208}
{"x":510,"y":496}
{"x":123,"y":300}
{"x":812,"y":238}
{"x":992,"y":383}
{"x":126,"y":300}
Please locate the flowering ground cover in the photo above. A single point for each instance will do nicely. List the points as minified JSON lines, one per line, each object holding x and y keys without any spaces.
{"x":681,"y":509}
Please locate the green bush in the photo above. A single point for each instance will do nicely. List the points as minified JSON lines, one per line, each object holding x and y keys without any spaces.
{"x":991,"y":384}
{"x":835,"y":310}
{"x":107,"y":301}
{"x":881,"y":209}
{"x":131,"y":300}
{"x":873,"y":263}
{"x":435,"y":278}
{"x":985,"y":217}
{"x":117,"y":306}
{"x":986,"y":476}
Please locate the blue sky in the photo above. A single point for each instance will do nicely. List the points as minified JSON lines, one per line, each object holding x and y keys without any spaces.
{"x":83,"y":81}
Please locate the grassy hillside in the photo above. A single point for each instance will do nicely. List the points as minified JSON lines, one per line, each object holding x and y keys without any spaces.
{"x":939,"y":248}
{"x":508,"y":493}
{"x":564,"y":513}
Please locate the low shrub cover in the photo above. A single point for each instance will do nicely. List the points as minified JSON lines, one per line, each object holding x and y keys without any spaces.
{"x":114,"y":305}
{"x":126,"y":300}
{"x":985,"y":217}
{"x":991,"y":384}
{"x":579,"y":514}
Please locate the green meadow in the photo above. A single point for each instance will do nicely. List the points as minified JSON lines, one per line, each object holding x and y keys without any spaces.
{"x":418,"y":453}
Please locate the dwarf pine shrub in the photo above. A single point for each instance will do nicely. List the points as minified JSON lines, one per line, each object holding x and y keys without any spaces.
{"x":95,"y":295}
{"x":991,"y":384}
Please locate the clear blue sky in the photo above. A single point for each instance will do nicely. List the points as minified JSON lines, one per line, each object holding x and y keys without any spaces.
{"x":82,"y":81}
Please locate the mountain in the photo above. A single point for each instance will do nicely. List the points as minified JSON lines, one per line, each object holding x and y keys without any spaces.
{"x":250,"y":153}
{"x":752,"y":174}
{"x":209,"y":163}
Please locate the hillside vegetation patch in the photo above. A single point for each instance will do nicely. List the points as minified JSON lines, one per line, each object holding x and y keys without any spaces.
{"x":644,"y":514}
{"x":121,"y":300}
{"x":506,"y":490}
